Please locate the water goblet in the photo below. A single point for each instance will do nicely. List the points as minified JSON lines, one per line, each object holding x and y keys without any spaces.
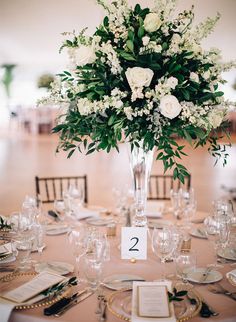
{"x":185,"y":262}
{"x":92,"y":269}
{"x":162,"y":246}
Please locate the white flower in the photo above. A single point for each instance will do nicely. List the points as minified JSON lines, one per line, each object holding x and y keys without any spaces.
{"x":194,"y":77}
{"x":152,"y":22}
{"x":215,"y":118}
{"x":145,"y":40}
{"x":85,"y":55}
{"x":139,"y":77}
{"x":206,"y":75}
{"x":172,"y":82}
{"x":169,"y":106}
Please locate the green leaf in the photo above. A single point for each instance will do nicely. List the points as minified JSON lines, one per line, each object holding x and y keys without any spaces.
{"x":186,"y":94}
{"x":141,"y":32}
{"x":70,"y":153}
{"x":127,"y":56}
{"x":106,"y":21}
{"x":131,"y":35}
{"x":130,"y":45}
{"x":137,"y":9}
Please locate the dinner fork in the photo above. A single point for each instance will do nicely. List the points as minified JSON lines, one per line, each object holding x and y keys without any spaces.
{"x":219,"y":289}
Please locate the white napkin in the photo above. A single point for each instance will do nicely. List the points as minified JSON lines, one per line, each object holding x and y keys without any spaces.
{"x":82,"y":213}
{"x":232,"y":273}
{"x":136,"y":318}
{"x":154,"y":209}
{"x":6,"y":308}
{"x":5,"y":248}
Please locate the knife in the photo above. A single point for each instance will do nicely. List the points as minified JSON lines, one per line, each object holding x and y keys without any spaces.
{"x":54,"y":215}
{"x":205,"y":274}
{"x":56,"y":307}
{"x":74,"y":302}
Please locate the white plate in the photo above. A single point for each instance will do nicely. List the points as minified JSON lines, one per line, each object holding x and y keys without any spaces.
{"x":158,"y":223}
{"x":61,"y":268}
{"x":97,"y":208}
{"x":99,"y":221}
{"x":199,"y":233}
{"x":227,"y":253}
{"x":112,"y":281}
{"x":56,"y":230}
{"x":34,"y":249}
{"x":196,"y":276}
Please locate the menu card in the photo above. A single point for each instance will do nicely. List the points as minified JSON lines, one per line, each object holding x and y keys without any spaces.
{"x":145,"y":304}
{"x":153,"y":301}
{"x":37,"y":285}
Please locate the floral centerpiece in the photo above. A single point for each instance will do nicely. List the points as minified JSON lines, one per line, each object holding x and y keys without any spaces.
{"x":142,"y":76}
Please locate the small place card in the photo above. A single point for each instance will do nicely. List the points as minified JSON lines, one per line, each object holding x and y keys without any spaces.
{"x":134,"y":243}
{"x":153,"y":301}
{"x":37,"y":285}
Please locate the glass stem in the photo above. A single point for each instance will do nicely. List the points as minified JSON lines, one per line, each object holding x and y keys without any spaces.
{"x":163,"y":265}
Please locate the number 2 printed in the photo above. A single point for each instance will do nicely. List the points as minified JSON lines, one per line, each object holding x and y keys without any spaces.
{"x":131,"y":249}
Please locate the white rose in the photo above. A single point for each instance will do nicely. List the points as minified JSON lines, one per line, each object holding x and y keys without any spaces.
{"x":215,"y":118}
{"x":169,"y":106}
{"x":145,"y":40}
{"x":85,"y":55}
{"x":172,"y":82}
{"x":152,"y":22}
{"x":139,"y":77}
{"x":194,"y":77}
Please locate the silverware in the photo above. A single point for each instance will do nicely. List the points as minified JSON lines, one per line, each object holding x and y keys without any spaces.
{"x":103,"y":312}
{"x":74,"y":302}
{"x":205,"y":274}
{"x":202,"y":233}
{"x":219,"y":289}
{"x":115,"y":281}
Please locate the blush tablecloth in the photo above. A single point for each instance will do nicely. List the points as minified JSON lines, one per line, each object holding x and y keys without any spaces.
{"x":58,"y":249}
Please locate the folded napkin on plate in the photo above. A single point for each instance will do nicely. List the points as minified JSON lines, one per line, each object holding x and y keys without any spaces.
{"x":136,"y":318}
{"x":6,"y":308}
{"x":232,"y":273}
{"x":5,"y":249}
{"x":154,"y":209}
{"x":82,"y":213}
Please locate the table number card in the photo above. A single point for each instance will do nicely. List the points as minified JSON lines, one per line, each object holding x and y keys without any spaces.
{"x":134,"y":243}
{"x":153,"y":301}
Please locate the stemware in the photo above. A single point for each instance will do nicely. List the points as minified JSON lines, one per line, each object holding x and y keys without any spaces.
{"x":23,"y":242}
{"x":162,"y":246}
{"x":217,"y":231}
{"x":39,"y":232}
{"x":185,"y":262}
{"x":78,"y":243}
{"x":92,"y":269}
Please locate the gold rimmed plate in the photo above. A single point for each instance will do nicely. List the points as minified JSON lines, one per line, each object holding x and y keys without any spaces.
{"x":120,"y":304}
{"x":14,"y":280}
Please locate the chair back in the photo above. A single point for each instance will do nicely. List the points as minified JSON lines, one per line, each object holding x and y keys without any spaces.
{"x":160,"y":186}
{"x":49,"y":189}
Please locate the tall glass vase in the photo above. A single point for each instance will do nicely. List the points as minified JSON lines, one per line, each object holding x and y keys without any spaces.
{"x":141,"y":164}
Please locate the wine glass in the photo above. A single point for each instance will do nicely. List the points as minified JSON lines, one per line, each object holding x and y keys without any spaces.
{"x":185,"y":262}
{"x":217,"y":233}
{"x":78,"y":243}
{"x":92,"y":269}
{"x":162,"y":246}
{"x":39,"y":232}
{"x":23,"y":242}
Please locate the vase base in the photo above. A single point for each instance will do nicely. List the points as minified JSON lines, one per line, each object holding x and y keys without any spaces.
{"x":139,"y":221}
